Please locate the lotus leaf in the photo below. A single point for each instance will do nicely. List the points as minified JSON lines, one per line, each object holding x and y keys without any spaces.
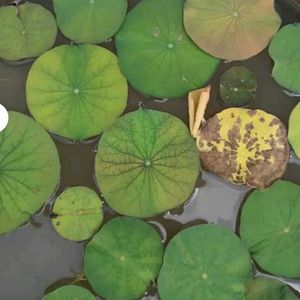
{"x":231,"y":29}
{"x":244,"y":146}
{"x":76,"y":91}
{"x":29,"y":170}
{"x":89,"y":21}
{"x":77,"y":213}
{"x":123,"y":258}
{"x":70,"y":292}
{"x":270,"y":227}
{"x":156,"y":55}
{"x":205,"y":262}
{"x":147,"y":163}
{"x":294,"y":129}
{"x":27,"y":30}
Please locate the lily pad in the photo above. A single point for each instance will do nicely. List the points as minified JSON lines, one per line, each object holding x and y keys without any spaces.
{"x":269,"y":289}
{"x":205,"y":262}
{"x":70,"y":292}
{"x":284,"y":50}
{"x":156,"y":55}
{"x":147,"y":163}
{"x":238,"y":86}
{"x":244,"y":147}
{"x":230,"y":29}
{"x":90,"y":21}
{"x":294,"y":130}
{"x":77,"y":213}
{"x":270,"y":227}
{"x":76,"y":91}
{"x":29,"y":170}
{"x":123,"y":258}
{"x":27,"y":30}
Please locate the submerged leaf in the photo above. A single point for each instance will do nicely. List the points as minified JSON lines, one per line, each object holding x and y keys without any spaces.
{"x":294,"y":130}
{"x":231,"y":29}
{"x":70,"y":292}
{"x":244,"y":146}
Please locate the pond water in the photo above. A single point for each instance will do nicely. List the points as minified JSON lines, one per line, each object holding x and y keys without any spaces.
{"x":35,"y":258}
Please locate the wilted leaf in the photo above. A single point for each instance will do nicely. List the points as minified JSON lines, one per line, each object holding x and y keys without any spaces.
{"x":294,"y":129}
{"x":70,"y":292}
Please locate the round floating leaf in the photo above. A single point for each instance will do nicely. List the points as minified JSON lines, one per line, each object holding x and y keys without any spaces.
{"x":76,"y":91}
{"x":294,"y":129}
{"x":205,"y":262}
{"x":77,"y":213}
{"x":284,"y":50}
{"x":157,"y":56}
{"x":270,"y":228}
{"x":29,"y":170}
{"x":123,"y":258}
{"x":269,"y":289}
{"x":244,"y":146}
{"x":27,"y":30}
{"x":231,"y":29}
{"x":70,"y":292}
{"x":147,"y":163}
{"x":90,"y":21}
{"x":238,"y":86}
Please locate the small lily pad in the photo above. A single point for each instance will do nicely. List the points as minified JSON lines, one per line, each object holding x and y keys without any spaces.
{"x":27,"y":30}
{"x":77,"y":213}
{"x":284,"y":50}
{"x":269,"y":289}
{"x":230,"y":29}
{"x":156,"y":55}
{"x":90,"y":21}
{"x":238,"y":86}
{"x":70,"y":292}
{"x":205,"y":262}
{"x":76,"y":91}
{"x":123,"y":258}
{"x":294,"y":130}
{"x":270,"y":227}
{"x":29,"y":170}
{"x":244,"y":146}
{"x":147,"y":163}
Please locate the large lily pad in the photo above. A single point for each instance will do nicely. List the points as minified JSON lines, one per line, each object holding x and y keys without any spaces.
{"x":244,"y":146}
{"x":27,"y":30}
{"x":70,"y":292}
{"x":77,"y":213}
{"x":156,"y":55}
{"x":205,"y":262}
{"x":231,"y":29}
{"x":294,"y":129}
{"x":269,"y":289}
{"x":284,"y":50}
{"x":270,"y":227}
{"x":76,"y":91}
{"x":29,"y":170}
{"x":147,"y":163}
{"x":90,"y":21}
{"x":123,"y":258}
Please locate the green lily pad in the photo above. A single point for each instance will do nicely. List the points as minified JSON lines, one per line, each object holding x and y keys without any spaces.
{"x":76,"y":91}
{"x":269,"y":289}
{"x":270,"y":227}
{"x":27,"y":30}
{"x":90,"y":21}
{"x":284,"y":50}
{"x":238,"y":86}
{"x":205,"y":262}
{"x":78,"y":213}
{"x":244,"y":146}
{"x":123,"y":258}
{"x":147,"y":163}
{"x":70,"y":292}
{"x":29,"y":170}
{"x":294,"y":130}
{"x":156,"y":55}
{"x":230,"y":29}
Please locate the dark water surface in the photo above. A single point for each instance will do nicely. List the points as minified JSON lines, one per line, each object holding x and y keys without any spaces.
{"x":34,"y":258}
